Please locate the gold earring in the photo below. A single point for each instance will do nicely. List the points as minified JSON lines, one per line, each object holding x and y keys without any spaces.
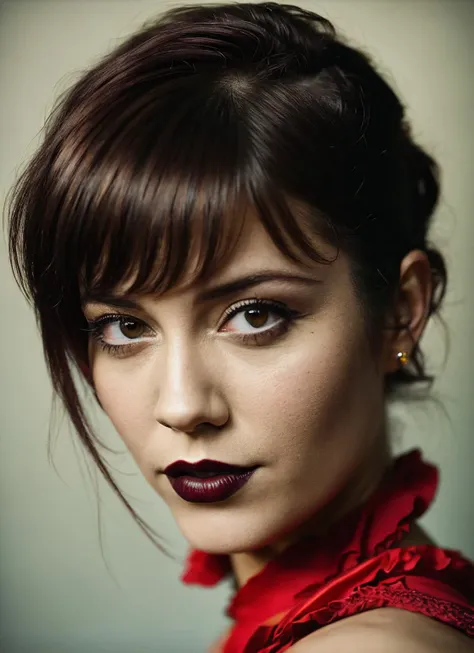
{"x":402,"y":357}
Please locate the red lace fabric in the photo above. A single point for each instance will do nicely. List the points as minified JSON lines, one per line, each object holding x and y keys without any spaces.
{"x":356,"y":567}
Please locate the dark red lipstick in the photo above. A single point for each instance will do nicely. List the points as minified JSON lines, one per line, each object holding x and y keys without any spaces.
{"x":207,"y":481}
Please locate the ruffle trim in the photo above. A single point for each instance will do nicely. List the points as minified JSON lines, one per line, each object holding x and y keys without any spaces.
{"x":422,"y":579}
{"x":205,"y":569}
{"x":363,"y":600}
{"x":404,"y":495}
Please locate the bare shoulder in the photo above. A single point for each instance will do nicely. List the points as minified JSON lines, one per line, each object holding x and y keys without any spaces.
{"x":388,"y":630}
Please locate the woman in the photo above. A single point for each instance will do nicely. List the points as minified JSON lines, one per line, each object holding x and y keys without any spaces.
{"x":225,"y":233}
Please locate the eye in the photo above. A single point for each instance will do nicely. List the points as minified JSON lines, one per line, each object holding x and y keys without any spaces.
{"x":117,"y":333}
{"x":122,"y":330}
{"x":256,"y":317}
{"x":257,"y":320}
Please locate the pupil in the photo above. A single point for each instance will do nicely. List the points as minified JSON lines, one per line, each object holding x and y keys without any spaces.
{"x":131,"y":329}
{"x":256,"y":317}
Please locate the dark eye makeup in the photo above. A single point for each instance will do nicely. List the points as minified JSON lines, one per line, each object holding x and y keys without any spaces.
{"x":255,"y":312}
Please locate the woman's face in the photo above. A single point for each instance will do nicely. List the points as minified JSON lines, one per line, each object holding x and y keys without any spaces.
{"x":266,"y":366}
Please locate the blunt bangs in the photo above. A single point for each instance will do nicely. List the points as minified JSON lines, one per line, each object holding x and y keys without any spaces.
{"x":146,"y":189}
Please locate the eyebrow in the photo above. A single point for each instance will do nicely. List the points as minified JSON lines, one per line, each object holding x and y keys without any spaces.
{"x":216,"y":292}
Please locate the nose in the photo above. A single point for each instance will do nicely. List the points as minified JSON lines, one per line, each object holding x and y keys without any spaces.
{"x":189,"y":399}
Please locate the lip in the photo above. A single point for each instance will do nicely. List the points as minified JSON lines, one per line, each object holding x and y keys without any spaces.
{"x":224,"y":480}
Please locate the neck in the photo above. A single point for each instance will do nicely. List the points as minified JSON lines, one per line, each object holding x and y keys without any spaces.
{"x":362,"y":484}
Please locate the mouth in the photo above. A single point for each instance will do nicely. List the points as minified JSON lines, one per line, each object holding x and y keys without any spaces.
{"x":207,"y":481}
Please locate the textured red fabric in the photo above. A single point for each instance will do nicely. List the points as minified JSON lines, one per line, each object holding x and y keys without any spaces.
{"x":357,"y":566}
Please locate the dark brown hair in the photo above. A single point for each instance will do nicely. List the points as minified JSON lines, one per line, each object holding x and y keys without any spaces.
{"x":156,"y":151}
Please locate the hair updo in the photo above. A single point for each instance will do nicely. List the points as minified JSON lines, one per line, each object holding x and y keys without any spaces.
{"x":161,"y":143}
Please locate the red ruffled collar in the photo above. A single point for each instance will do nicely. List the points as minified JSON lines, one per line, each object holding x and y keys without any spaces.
{"x":356,"y":566}
{"x":404,"y":495}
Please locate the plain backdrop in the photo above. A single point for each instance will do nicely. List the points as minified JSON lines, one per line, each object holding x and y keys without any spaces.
{"x":60,"y":592}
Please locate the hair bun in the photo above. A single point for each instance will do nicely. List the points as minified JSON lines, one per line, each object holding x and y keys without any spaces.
{"x":424,"y":178}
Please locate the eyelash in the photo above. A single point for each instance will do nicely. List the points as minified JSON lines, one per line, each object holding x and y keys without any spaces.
{"x":288,"y":317}
{"x":96,"y":330}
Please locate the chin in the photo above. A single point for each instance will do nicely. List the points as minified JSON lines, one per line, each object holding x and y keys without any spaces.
{"x":223,"y":545}
{"x":223,"y":532}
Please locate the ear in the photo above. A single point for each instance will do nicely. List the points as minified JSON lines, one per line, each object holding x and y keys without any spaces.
{"x":411,"y":310}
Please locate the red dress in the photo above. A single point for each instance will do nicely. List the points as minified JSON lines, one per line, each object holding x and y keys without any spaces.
{"x":356,"y":567}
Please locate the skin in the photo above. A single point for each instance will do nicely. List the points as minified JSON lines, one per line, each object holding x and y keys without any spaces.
{"x":388,"y":630}
{"x":304,"y":403}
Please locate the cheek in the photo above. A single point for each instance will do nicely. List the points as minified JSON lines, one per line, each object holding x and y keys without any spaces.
{"x":313,"y":372}
{"x":321,"y":393}
{"x":126,"y":395}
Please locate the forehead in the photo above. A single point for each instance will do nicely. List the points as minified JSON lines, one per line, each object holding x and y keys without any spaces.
{"x":254,"y":247}
{"x":254,"y":261}
{"x":250,"y":250}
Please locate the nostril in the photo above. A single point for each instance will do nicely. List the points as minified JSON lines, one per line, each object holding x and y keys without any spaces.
{"x":202,"y":428}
